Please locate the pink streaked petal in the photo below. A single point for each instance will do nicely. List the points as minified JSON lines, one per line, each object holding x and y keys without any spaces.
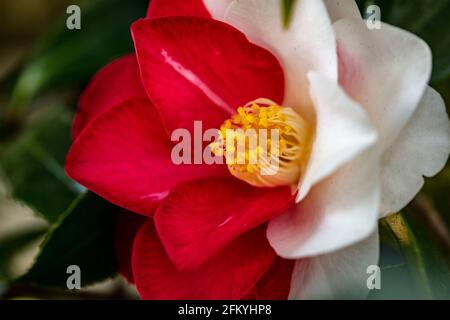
{"x":375,"y":70}
{"x":217,"y":8}
{"x":342,"y":9}
{"x":309,"y":44}
{"x":200,"y":218}
{"x":125,"y":157}
{"x":230,"y":275}
{"x":118,"y":81}
{"x":201,"y":69}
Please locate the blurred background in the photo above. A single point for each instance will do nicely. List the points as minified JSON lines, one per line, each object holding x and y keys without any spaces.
{"x":48,"y":222}
{"x":43,"y":68}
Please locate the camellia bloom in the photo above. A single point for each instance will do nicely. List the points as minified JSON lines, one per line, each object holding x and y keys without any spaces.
{"x":360,"y":130}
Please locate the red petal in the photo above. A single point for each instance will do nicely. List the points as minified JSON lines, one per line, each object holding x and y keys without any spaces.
{"x":126,"y":228}
{"x":199,"y":218}
{"x":276,"y":282}
{"x":164,"y":8}
{"x":125,"y":157}
{"x":201,"y":69}
{"x":118,"y":81}
{"x":230,"y":275}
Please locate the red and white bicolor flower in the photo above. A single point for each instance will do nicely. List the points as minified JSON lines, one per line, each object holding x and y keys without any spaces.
{"x":362,"y":129}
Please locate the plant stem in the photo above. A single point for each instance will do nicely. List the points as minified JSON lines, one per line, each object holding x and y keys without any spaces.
{"x":411,"y":251}
{"x":423,"y":211}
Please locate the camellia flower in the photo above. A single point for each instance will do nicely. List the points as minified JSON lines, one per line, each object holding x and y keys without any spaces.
{"x":360,"y":130}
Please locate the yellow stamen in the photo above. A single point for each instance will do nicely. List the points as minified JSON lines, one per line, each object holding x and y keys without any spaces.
{"x":260,"y":137}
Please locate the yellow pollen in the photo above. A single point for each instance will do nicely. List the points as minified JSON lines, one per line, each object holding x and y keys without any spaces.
{"x":264,"y":144}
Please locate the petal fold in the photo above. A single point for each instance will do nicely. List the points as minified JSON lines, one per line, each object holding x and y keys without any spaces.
{"x":342,"y":9}
{"x":217,"y":8}
{"x":199,"y":218}
{"x":118,"y":81}
{"x":422,"y":149}
{"x":343,"y":131}
{"x":126,"y":227}
{"x":308,"y":44}
{"x":276,"y":282}
{"x":201,"y":69}
{"x":229,"y":276}
{"x":338,"y":212}
{"x":375,"y":68}
{"x":125,"y":157}
{"x":338,"y":275}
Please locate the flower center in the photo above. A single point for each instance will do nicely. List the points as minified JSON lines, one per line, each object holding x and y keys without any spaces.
{"x":264,"y":144}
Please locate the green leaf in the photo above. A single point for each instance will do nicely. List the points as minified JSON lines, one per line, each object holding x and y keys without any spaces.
{"x":11,"y":245}
{"x":71,"y":57}
{"x":411,"y":250}
{"x":84,"y":237}
{"x":398,"y":263}
{"x":411,"y":265}
{"x":33,"y":164}
{"x":436,"y":191}
{"x":426,"y":18}
{"x":397,"y":276}
{"x":436,"y":263}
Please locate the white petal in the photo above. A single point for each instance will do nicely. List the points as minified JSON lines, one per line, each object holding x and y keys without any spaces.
{"x":342,"y":9}
{"x":338,"y":275}
{"x":308,"y":44}
{"x":422,"y":149}
{"x":385,"y":70}
{"x":343,"y":130}
{"x":217,"y":8}
{"x":339,"y":211}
